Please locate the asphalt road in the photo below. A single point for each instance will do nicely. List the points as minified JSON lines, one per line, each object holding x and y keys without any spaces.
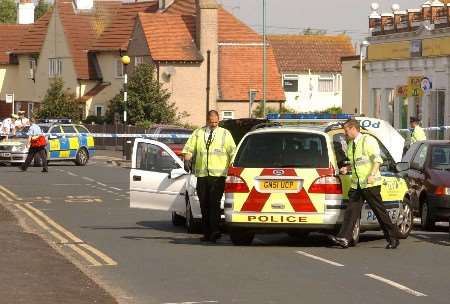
{"x":140,"y":257}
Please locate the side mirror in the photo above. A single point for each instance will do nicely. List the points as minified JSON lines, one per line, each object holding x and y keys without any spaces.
{"x":176,"y":173}
{"x":402,"y":166}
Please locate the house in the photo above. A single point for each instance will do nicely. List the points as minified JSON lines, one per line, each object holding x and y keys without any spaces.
{"x":311,"y":69}
{"x":204,"y":56}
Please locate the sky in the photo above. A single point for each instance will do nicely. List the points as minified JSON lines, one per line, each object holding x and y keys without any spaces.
{"x":292,"y":16}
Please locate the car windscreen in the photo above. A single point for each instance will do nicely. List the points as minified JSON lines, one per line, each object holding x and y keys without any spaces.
{"x":440,"y":157}
{"x":283,"y":150}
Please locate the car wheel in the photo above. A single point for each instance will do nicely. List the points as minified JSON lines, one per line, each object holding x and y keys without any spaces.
{"x":426,"y":220}
{"x":82,"y":157}
{"x":405,"y":219}
{"x":241,"y":237}
{"x":192,"y":225}
{"x":177,"y":220}
{"x":356,"y":232}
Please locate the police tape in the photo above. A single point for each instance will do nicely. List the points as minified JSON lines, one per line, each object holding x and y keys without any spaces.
{"x":443,"y":128}
{"x":109,"y":135}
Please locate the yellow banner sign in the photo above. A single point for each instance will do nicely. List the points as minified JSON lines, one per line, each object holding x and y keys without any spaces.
{"x":436,"y":47}
{"x":392,"y":50}
{"x":414,"y":87}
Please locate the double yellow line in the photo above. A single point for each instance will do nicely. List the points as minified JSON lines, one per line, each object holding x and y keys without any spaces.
{"x":92,"y":255}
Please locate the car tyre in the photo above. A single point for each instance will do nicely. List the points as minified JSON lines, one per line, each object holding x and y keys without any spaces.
{"x":177,"y":220}
{"x":241,"y":237}
{"x":356,"y":233}
{"x":192,"y":225}
{"x":82,"y":157}
{"x":427,"y":221}
{"x":405,"y":219}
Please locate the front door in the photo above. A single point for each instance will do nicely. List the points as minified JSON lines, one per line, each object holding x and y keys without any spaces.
{"x":157,"y":178}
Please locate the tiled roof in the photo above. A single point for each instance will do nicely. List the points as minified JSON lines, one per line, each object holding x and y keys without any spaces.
{"x":182,"y":7}
{"x":10,"y":37}
{"x":233,"y":30}
{"x":116,"y":36}
{"x":299,"y":53}
{"x":240,"y":69}
{"x":33,"y":40}
{"x":170,"y":37}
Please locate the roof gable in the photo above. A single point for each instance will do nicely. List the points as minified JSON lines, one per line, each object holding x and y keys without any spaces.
{"x":33,"y":39}
{"x":299,"y":53}
{"x":10,"y":36}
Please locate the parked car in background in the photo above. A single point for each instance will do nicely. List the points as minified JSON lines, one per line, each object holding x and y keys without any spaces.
{"x":429,"y":181}
{"x":239,"y":127}
{"x":174,"y":142}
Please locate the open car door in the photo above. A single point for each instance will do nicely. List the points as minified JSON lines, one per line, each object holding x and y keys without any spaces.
{"x":157,"y":177}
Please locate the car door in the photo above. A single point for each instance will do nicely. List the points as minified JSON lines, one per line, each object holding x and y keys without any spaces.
{"x":416,"y":175}
{"x":69,"y":142}
{"x":157,"y":177}
{"x":54,"y":144}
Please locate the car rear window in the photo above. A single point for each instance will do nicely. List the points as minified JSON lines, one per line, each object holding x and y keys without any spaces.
{"x":440,"y":157}
{"x":283,"y":150}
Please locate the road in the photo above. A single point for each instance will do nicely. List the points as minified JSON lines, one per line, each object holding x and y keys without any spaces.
{"x":139,"y":257}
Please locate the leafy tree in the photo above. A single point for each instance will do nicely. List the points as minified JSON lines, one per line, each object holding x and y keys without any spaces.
{"x":311,"y":31}
{"x":59,"y":102}
{"x":147,"y":100}
{"x":42,"y":7}
{"x":8,"y":11}
{"x":258,"y":112}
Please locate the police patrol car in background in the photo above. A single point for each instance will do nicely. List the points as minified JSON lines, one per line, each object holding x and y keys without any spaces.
{"x":66,"y":141}
{"x":283,"y":178}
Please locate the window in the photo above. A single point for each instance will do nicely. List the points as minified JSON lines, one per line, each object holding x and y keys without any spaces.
{"x":119,"y":69}
{"x":138,"y":60}
{"x":326,"y":83}
{"x":68,"y":129}
{"x":290,"y":83}
{"x":31,"y":67}
{"x":30,"y":109}
{"x":419,"y":159}
{"x":55,"y":130}
{"x":227,"y":115}
{"x":151,"y":157}
{"x":283,"y":150}
{"x":99,"y":111}
{"x":54,"y":67}
{"x":82,"y":129}
{"x":440,"y":157}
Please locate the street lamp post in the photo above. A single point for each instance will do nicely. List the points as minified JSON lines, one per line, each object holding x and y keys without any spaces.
{"x":264,"y":61}
{"x":125,"y":62}
{"x":361,"y":46}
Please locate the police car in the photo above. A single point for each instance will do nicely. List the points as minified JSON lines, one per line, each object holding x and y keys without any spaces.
{"x":66,"y":142}
{"x":283,"y":178}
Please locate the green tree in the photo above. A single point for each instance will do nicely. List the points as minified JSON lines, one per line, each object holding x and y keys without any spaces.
{"x":311,"y":31}
{"x":59,"y":102}
{"x":258,"y":112}
{"x":8,"y":11}
{"x":147,"y":100}
{"x":42,"y":7}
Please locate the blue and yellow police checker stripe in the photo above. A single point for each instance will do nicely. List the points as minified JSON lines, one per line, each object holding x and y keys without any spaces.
{"x":66,"y":147}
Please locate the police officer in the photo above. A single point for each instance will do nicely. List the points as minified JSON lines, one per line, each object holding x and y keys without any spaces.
{"x":210,"y":149}
{"x":365,"y":160}
{"x":33,"y":135}
{"x":418,"y":133}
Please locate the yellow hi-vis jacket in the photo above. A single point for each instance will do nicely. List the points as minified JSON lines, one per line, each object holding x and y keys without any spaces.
{"x":367,"y":152}
{"x":417,"y":135}
{"x":216,"y":160}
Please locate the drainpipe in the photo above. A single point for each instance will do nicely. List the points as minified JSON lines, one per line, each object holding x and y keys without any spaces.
{"x":208,"y":79}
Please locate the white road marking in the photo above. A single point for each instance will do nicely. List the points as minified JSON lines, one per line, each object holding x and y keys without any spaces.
{"x":6,"y":197}
{"x":12,"y":194}
{"x":396,"y":285}
{"x":114,"y":188}
{"x":71,"y":173}
{"x":201,"y":302}
{"x":445,"y":242}
{"x":319,"y":258}
{"x":423,"y":236}
{"x":101,"y":184}
{"x":88,"y":179}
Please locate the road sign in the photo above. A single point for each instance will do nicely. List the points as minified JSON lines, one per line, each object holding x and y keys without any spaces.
{"x":9,"y":98}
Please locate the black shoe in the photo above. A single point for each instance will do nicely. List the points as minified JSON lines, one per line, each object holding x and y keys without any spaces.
{"x":215,"y":236}
{"x":393,"y":244}
{"x":23,"y":168}
{"x":342,"y":242}
{"x":44,"y":170}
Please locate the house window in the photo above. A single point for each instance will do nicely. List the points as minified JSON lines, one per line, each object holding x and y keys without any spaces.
{"x":326,"y":83}
{"x":227,"y":115}
{"x":99,"y":111}
{"x":138,"y":60}
{"x":30,"y":109}
{"x":290,"y":83}
{"x":31,"y":68}
{"x":54,"y":67}
{"x":119,"y":68}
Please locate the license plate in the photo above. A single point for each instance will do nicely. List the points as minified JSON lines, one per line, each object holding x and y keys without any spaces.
{"x":279,"y":185}
{"x":5,"y":154}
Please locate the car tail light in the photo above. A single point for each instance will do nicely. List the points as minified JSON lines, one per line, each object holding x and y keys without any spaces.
{"x":441,"y":190}
{"x":234,"y":183}
{"x":326,"y":185}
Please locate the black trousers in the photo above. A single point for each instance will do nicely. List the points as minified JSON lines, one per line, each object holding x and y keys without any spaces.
{"x":356,"y":200}
{"x":32,"y":153}
{"x":210,"y":192}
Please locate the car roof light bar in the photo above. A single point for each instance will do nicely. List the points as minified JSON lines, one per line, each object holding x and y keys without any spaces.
{"x":287,"y":117}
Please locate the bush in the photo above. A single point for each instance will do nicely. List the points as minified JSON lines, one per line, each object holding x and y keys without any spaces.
{"x":93,"y":119}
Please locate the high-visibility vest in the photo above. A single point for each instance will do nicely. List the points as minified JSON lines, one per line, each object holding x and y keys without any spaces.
{"x":418,"y":134}
{"x":367,"y":152}
{"x":215,"y":160}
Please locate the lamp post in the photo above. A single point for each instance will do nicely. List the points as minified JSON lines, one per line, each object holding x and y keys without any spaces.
{"x":125,"y":61}
{"x":361,"y":46}
{"x":264,"y":61}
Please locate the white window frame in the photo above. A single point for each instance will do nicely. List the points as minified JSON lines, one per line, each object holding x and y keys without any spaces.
{"x":138,"y":60}
{"x":328,"y":78}
{"x":226,"y":115}
{"x":292,"y":77}
{"x":101,"y":111}
{"x":55,"y":66}
{"x":117,"y":72}
{"x":30,"y":109}
{"x":32,"y":64}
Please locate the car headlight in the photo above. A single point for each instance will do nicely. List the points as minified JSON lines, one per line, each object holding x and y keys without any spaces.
{"x":18,"y":148}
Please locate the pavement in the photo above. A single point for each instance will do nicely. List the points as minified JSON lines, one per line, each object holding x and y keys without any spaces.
{"x":113,"y":157}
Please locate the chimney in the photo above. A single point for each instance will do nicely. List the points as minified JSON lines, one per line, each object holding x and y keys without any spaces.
{"x":207,"y":25}
{"x":84,"y":4}
{"x":25,"y":14}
